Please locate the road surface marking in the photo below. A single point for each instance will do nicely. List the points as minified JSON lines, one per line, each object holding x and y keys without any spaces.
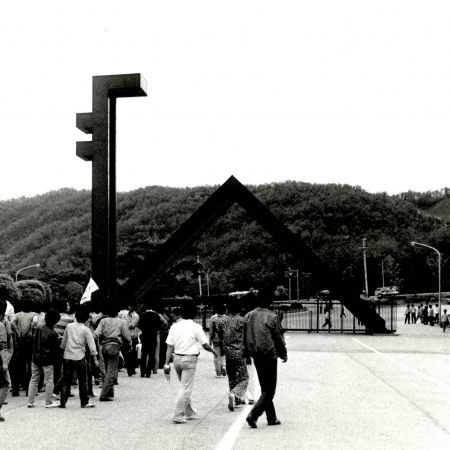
{"x":406,"y":367}
{"x":227,"y":442}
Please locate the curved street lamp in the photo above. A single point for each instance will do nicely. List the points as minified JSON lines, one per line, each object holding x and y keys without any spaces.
{"x":34,"y":265}
{"x":439,"y":274}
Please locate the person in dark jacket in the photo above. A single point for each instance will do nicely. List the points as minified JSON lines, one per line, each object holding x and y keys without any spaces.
{"x":45,"y":352}
{"x":263,"y":341}
{"x":149,"y":324}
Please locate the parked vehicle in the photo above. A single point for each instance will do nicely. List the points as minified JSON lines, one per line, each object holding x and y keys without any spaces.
{"x":388,"y":290}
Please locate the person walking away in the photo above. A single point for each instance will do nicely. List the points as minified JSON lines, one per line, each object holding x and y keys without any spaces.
{"x":45,"y":352}
{"x":182,"y":341}
{"x":264,"y":342}
{"x":25,"y":323}
{"x":111,"y":333}
{"x":132,"y":318}
{"x":63,"y":307}
{"x":230,"y":329}
{"x":76,"y":336}
{"x":219,"y":361}
{"x":431,"y":315}
{"x":162,"y":331}
{"x":6,"y":348}
{"x":149,"y":324}
{"x":166,"y":323}
{"x":444,"y":320}
{"x":327,"y":318}
{"x":425,"y":315}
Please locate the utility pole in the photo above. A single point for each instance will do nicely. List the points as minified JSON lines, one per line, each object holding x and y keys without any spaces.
{"x":290,"y":277}
{"x":288,"y":274}
{"x":199,"y":277}
{"x":365,"y":266}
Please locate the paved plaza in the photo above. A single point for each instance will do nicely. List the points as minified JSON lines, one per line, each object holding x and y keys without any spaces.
{"x":335,"y":392}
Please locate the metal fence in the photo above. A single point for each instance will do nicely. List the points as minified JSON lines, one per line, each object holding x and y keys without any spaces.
{"x":310,"y":317}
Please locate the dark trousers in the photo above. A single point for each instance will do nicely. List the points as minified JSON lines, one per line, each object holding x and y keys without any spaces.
{"x":24,"y":354}
{"x":148,"y":354}
{"x":79,"y":367}
{"x":131,"y":356}
{"x":111,"y":357}
{"x":58,"y":372}
{"x":14,"y":371}
{"x":267,"y":374}
{"x":162,"y":348}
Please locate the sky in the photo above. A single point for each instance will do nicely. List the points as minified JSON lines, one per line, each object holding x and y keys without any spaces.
{"x":348,"y":92}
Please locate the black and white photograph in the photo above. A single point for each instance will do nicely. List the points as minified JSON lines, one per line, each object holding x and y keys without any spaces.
{"x":225,"y":225}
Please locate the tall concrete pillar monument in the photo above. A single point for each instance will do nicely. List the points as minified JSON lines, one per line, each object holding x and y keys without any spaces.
{"x":101,"y":123}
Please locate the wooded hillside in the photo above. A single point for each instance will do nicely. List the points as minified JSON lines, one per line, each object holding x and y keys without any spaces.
{"x":54,"y":230}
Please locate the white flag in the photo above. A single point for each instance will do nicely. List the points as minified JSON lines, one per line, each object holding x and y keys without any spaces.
{"x":91,"y":287}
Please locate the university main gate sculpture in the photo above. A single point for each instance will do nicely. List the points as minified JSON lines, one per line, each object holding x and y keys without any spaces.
{"x":101,"y":151}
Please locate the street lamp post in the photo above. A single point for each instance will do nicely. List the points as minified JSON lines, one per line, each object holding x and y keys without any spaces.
{"x":364,"y":248}
{"x":34,"y":265}
{"x":439,"y":274}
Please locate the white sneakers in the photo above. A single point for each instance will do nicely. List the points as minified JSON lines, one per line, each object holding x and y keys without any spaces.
{"x":53,"y":405}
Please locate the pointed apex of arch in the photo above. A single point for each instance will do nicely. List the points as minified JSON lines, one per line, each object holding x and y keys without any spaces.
{"x":232,"y":191}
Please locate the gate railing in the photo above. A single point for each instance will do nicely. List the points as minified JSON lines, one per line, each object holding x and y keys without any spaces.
{"x":310,"y":316}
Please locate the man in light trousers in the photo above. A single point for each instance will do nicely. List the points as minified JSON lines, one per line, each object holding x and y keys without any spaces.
{"x":183,"y":339}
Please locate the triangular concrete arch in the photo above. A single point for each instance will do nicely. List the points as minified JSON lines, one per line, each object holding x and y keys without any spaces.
{"x":232,"y":191}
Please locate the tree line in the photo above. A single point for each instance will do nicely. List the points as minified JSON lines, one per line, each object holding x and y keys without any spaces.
{"x":54,"y":230}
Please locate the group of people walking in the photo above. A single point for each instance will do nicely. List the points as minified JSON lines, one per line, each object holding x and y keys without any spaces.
{"x":237,"y":342}
{"x":52,"y":349}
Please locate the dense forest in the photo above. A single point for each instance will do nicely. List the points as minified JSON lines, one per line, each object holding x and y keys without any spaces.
{"x":53,"y":230}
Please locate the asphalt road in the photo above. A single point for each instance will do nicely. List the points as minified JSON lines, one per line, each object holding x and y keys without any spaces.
{"x":336,"y":391}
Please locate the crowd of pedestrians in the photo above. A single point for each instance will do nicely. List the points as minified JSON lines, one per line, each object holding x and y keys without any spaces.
{"x":57,"y":347}
{"x":427,"y":315}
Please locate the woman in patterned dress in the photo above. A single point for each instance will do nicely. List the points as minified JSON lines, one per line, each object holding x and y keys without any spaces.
{"x":230,"y":330}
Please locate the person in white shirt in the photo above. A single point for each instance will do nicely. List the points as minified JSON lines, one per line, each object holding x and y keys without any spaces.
{"x":413,"y":314}
{"x":408,"y":314}
{"x":419,"y":312}
{"x":182,"y":341}
{"x":431,"y":315}
{"x":76,"y":337}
